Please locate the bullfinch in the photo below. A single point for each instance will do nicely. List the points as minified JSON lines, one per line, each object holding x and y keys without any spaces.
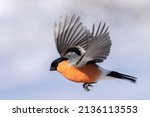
{"x":80,"y":49}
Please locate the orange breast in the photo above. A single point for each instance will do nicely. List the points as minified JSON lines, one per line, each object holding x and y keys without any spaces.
{"x":88,"y":73}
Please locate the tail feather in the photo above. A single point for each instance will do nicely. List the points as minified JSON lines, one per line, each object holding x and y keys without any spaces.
{"x":122,"y":76}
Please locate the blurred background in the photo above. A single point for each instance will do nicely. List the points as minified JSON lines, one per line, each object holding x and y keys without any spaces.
{"x":27,"y":48}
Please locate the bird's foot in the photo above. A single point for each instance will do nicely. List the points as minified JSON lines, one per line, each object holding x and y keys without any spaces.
{"x":87,"y":85}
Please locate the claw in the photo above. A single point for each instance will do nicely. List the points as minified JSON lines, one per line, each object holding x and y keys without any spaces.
{"x":87,"y":85}
{"x":90,"y":85}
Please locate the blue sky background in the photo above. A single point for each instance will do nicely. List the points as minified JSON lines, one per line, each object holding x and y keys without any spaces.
{"x":27,"y":48}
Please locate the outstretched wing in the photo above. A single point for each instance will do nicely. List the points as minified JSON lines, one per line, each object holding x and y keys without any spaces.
{"x":70,"y":33}
{"x":98,"y":46}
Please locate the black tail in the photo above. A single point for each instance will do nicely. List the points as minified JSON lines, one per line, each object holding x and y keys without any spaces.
{"x":122,"y":76}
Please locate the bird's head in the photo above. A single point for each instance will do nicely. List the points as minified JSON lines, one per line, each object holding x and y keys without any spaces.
{"x":55,"y":63}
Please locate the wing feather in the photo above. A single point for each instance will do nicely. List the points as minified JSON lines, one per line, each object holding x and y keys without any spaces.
{"x":71,"y":35}
{"x":98,"y":46}
{"x":70,"y":32}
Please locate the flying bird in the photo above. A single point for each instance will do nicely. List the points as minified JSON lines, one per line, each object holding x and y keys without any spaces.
{"x":80,"y":49}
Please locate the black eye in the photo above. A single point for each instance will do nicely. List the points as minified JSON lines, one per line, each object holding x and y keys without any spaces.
{"x":54,"y":64}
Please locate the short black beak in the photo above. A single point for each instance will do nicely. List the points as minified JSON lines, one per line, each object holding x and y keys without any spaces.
{"x":52,"y":69}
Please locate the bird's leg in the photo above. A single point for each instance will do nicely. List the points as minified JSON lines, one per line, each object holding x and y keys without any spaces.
{"x":87,"y":85}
